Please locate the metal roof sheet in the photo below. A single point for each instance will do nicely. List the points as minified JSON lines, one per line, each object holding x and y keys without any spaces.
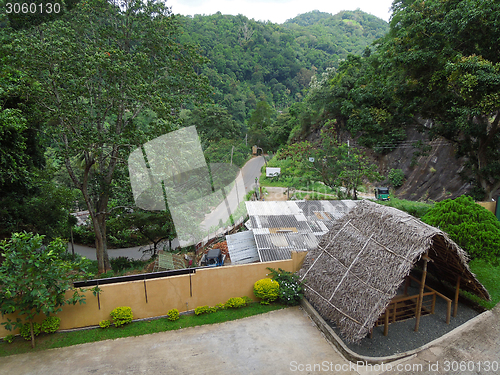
{"x":282,"y":226}
{"x":242,"y":248}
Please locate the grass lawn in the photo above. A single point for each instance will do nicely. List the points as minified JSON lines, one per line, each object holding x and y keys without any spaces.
{"x":63,"y":339}
{"x":489,"y":276}
{"x":417,"y":209}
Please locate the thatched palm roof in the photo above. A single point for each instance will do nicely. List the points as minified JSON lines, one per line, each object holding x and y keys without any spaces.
{"x":360,"y":263}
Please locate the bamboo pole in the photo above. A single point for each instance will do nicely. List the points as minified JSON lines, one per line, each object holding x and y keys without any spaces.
{"x":420,"y":296}
{"x":457,"y":291}
{"x":386,"y":321}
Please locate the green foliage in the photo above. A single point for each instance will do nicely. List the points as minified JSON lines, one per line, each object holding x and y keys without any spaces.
{"x":220,"y":306}
{"x":489,"y":275}
{"x":290,"y":287}
{"x":25,"y":330}
{"x":204,"y":310}
{"x":95,"y":127}
{"x":51,"y":324}
{"x":471,"y":226}
{"x":417,"y":209}
{"x":339,"y":165}
{"x":122,"y":315}
{"x":9,"y":339}
{"x":251,"y":61}
{"x":235,"y":302}
{"x":173,"y":315}
{"x":69,"y":338}
{"x":267,"y":290}
{"x":439,"y":53}
{"x":104,"y":323}
{"x":396,"y":177}
{"x":34,"y":278}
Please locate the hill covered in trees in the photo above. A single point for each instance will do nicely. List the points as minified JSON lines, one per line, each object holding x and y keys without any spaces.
{"x":252,"y":61}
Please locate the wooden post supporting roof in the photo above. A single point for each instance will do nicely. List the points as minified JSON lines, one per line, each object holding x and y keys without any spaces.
{"x":421,"y":294}
{"x":457,"y":291}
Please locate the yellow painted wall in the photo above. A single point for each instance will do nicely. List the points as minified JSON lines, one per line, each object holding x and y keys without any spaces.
{"x":208,"y":286}
{"x":490,"y":206}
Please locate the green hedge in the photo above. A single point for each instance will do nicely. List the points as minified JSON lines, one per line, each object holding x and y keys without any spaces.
{"x":470,"y":225}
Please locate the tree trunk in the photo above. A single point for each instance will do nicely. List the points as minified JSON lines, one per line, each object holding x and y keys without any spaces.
{"x":32,"y":335}
{"x":99,"y":223}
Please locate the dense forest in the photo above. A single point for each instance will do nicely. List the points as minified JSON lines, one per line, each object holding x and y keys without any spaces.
{"x":251,"y":61}
{"x":73,"y":108}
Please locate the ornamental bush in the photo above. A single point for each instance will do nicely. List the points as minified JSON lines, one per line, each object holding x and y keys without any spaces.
{"x":51,"y":324}
{"x":173,"y":315}
{"x":470,"y":225}
{"x":204,"y":310}
{"x":104,"y":323}
{"x":9,"y":339}
{"x":267,"y":290}
{"x":25,"y":330}
{"x":235,"y":302}
{"x":122,"y":315}
{"x":290,"y":291}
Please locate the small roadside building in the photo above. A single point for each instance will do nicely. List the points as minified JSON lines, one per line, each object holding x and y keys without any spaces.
{"x":353,"y":277}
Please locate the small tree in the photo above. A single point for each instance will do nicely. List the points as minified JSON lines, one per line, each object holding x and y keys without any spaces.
{"x":34,"y":279}
{"x":340,"y":165}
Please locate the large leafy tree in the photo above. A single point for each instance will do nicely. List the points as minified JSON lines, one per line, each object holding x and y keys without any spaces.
{"x":96,"y":70}
{"x":340,"y":166}
{"x":34,"y":279}
{"x":445,"y":51}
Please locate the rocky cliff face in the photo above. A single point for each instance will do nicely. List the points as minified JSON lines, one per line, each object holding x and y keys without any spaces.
{"x":431,"y":170}
{"x":430,"y":175}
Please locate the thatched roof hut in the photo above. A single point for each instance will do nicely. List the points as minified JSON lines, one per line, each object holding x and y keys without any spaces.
{"x":361,"y":262}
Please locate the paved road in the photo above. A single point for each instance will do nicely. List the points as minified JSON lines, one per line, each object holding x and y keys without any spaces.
{"x":279,"y":342}
{"x":245,"y":182}
{"x":131,"y":252}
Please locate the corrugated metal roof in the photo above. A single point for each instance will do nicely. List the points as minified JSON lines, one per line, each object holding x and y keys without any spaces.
{"x":268,"y":255}
{"x":282,"y":226}
{"x":242,"y":248}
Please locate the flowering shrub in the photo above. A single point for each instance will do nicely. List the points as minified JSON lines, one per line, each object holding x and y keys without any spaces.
{"x":267,"y":290}
{"x":122,"y":315}
{"x":104,"y":323}
{"x":173,"y":314}
{"x":290,"y":288}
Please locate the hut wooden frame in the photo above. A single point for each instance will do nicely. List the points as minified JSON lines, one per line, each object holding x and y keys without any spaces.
{"x":355,"y":272}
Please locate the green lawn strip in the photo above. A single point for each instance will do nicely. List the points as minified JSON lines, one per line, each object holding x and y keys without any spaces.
{"x":417,"y":209}
{"x":64,"y":339}
{"x":489,"y":276}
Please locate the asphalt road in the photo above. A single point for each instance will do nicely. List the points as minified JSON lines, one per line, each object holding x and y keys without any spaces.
{"x":245,"y":182}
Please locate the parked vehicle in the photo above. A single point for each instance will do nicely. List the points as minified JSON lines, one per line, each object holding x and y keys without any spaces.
{"x":382,"y":193}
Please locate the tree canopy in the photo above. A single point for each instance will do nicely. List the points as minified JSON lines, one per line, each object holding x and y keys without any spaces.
{"x":95,"y":71}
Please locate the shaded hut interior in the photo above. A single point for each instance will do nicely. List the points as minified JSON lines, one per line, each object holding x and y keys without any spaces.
{"x":360,"y":275}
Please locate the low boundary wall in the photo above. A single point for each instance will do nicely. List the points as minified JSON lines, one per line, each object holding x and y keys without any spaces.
{"x":154,"y":297}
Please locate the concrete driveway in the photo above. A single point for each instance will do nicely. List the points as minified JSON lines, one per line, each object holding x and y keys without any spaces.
{"x":280,"y":342}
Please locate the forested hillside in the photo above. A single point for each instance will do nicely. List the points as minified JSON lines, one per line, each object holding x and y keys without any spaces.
{"x":437,"y":72}
{"x":251,"y":61}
